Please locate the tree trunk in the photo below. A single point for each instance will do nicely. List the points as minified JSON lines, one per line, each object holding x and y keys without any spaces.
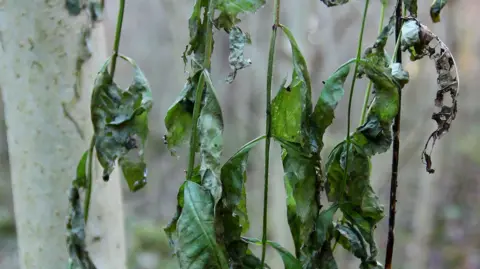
{"x":40,"y":47}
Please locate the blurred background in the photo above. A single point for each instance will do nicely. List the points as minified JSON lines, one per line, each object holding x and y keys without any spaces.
{"x":438,"y":215}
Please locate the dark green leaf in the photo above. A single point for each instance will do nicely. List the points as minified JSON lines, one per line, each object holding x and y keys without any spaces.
{"x":331,"y":94}
{"x":300,"y":177}
{"x":96,"y":10}
{"x":178,"y":120}
{"x":120,"y":120}
{"x":411,"y":6}
{"x":324,"y":224}
{"x":332,"y":3}
{"x":79,"y":181}
{"x":325,"y":258}
{"x":234,"y":177}
{"x":197,"y":245}
{"x":210,"y":126}
{"x":289,"y":260}
{"x":237,"y":61}
{"x":371,"y":265}
{"x":352,"y":240}
{"x":435,"y":9}
{"x":230,"y":9}
{"x":77,"y":250}
{"x":376,"y":54}
{"x":74,"y":7}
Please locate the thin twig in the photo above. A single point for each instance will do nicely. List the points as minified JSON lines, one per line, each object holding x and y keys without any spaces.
{"x":396,"y":150}
{"x":268,"y":129}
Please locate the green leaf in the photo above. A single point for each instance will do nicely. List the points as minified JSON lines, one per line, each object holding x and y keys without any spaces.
{"x":234,"y":177}
{"x":172,"y":226}
{"x":352,"y":240}
{"x":376,"y":54}
{"x":292,"y":106}
{"x":411,"y":6}
{"x":331,"y":94}
{"x":300,"y":177}
{"x":435,"y":9}
{"x":230,"y":9}
{"x":237,"y":61}
{"x":178,"y":120}
{"x":332,"y":3}
{"x":197,"y":245}
{"x":120,"y":121}
{"x":80,"y":180}
{"x":289,"y":260}
{"x":324,"y":224}
{"x":210,"y":126}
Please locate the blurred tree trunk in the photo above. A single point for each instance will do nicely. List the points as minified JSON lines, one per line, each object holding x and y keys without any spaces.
{"x":40,"y":47}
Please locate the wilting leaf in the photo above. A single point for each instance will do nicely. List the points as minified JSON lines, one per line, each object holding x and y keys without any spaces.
{"x":361,"y":206}
{"x":210,"y":126}
{"x":120,"y":124}
{"x":435,"y":9}
{"x":237,"y":61}
{"x":78,"y":254}
{"x":79,"y":181}
{"x":324,"y":224}
{"x":411,"y":6}
{"x":289,"y":260}
{"x":331,"y":94}
{"x":352,"y":240}
{"x":178,"y":120}
{"x":399,"y":74}
{"x":230,"y":9}
{"x":197,"y":245}
{"x":332,"y":3}
{"x":301,"y":188}
{"x":421,"y":42}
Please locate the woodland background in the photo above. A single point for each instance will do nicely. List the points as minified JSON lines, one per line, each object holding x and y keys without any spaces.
{"x":437,"y":215}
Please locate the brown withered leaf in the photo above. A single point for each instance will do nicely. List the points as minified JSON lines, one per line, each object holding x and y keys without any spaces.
{"x":421,"y":42}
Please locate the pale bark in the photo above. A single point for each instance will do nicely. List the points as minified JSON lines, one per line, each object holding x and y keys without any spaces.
{"x":39,"y":48}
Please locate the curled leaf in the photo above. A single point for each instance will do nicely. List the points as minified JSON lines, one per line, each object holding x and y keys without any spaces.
{"x":120,"y":121}
{"x":421,"y":42}
{"x":435,"y":9}
{"x":237,"y":61}
{"x":352,"y":240}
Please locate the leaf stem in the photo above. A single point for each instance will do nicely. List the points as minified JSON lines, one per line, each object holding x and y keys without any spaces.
{"x":88,"y":194}
{"x":118,"y":33}
{"x":200,"y":87}
{"x":396,"y":149}
{"x":352,"y":88}
{"x":268,"y":122}
{"x":370,"y":83}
